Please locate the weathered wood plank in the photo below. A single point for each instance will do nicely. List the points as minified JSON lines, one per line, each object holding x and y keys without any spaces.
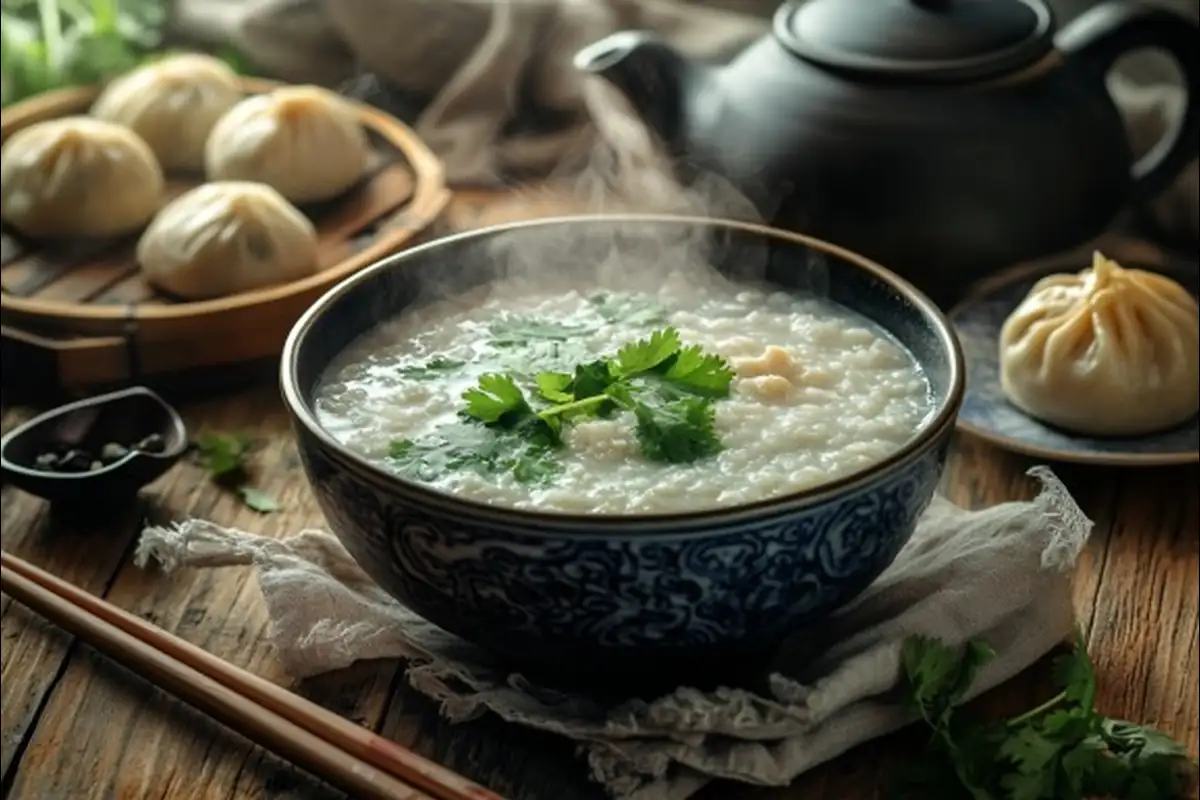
{"x":128,"y":740}
{"x":1144,"y":631}
{"x":33,"y":650}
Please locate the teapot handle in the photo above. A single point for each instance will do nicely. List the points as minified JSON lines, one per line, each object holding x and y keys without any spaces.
{"x":1117,"y":28}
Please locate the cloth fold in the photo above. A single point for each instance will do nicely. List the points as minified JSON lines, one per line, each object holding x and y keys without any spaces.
{"x":1002,"y":574}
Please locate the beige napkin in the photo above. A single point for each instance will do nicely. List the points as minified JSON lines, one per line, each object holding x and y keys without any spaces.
{"x":1002,"y":574}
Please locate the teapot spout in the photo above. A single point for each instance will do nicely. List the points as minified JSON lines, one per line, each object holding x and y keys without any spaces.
{"x":651,"y":74}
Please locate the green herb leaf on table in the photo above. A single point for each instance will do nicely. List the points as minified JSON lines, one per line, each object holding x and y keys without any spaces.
{"x":226,"y":458}
{"x":258,"y":500}
{"x":1064,"y":749}
{"x":224,"y":455}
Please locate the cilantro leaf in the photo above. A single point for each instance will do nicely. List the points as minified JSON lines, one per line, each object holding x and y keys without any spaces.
{"x":494,"y":397}
{"x":224,"y":455}
{"x":434,"y":368}
{"x":678,"y":432}
{"x":475,"y":448}
{"x":258,"y":500}
{"x":700,"y":373}
{"x":514,"y":329}
{"x":592,"y":379}
{"x":646,"y":354}
{"x":628,"y":310}
{"x":939,"y":676}
{"x":1074,"y":673}
{"x":555,"y":386}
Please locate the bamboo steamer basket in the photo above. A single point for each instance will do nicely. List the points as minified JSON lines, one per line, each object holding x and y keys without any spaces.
{"x":78,"y":314}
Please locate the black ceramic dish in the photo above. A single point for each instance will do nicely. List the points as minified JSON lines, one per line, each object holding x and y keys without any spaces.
{"x":630,"y":600}
{"x":125,"y":417}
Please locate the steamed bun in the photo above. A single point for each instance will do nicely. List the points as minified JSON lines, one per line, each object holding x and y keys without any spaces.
{"x":302,"y":140}
{"x":225,"y":238}
{"x":76,"y":176}
{"x":173,"y":104}
{"x":1106,"y":352}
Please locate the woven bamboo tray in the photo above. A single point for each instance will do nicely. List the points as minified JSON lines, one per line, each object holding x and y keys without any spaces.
{"x":78,"y":313}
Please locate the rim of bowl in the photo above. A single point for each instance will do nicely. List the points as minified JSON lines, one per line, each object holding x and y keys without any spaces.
{"x":924,"y":437}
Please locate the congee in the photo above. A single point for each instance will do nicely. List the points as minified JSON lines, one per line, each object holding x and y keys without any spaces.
{"x":695,"y":395}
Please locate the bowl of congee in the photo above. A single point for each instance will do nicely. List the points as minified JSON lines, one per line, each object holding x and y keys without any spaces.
{"x":617,"y":447}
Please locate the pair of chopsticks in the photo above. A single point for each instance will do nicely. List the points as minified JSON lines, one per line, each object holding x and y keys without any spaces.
{"x":349,"y":756}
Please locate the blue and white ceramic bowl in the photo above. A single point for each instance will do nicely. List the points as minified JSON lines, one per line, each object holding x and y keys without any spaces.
{"x":678,"y":596}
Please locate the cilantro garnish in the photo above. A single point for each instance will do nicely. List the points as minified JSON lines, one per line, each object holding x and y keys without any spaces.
{"x":495,"y":397}
{"x":675,"y":426}
{"x":512,"y":329}
{"x":226,"y":457}
{"x":434,"y":368}
{"x":628,"y":310}
{"x":646,"y":354}
{"x":456,"y":448}
{"x":679,"y":432}
{"x":668,"y":389}
{"x":1064,"y":749}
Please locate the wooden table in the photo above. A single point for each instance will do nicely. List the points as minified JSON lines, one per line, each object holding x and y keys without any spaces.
{"x":75,"y":726}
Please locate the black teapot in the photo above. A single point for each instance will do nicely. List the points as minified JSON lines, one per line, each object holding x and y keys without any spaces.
{"x":943,"y":138}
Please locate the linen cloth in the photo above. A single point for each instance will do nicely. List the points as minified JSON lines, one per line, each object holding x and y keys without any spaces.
{"x":1002,"y":574}
{"x":471,"y":75}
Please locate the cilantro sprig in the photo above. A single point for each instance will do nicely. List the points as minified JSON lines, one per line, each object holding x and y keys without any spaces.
{"x":1064,"y":749}
{"x":668,"y":388}
{"x":226,"y":457}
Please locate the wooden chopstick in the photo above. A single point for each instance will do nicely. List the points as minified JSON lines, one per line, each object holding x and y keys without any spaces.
{"x":245,"y":716}
{"x":124,"y":634}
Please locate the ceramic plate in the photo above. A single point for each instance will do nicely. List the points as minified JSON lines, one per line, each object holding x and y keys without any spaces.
{"x":988,"y":414}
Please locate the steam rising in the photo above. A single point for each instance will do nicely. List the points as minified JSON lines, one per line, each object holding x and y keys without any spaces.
{"x":624,"y":170}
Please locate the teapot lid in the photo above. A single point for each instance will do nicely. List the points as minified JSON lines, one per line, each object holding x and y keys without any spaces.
{"x":942,"y":39}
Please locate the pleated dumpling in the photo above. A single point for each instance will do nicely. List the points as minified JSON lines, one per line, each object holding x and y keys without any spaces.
{"x":225,"y":238}
{"x":172,"y":104}
{"x":1106,"y":352}
{"x":304,"y":141}
{"x":76,"y":176}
